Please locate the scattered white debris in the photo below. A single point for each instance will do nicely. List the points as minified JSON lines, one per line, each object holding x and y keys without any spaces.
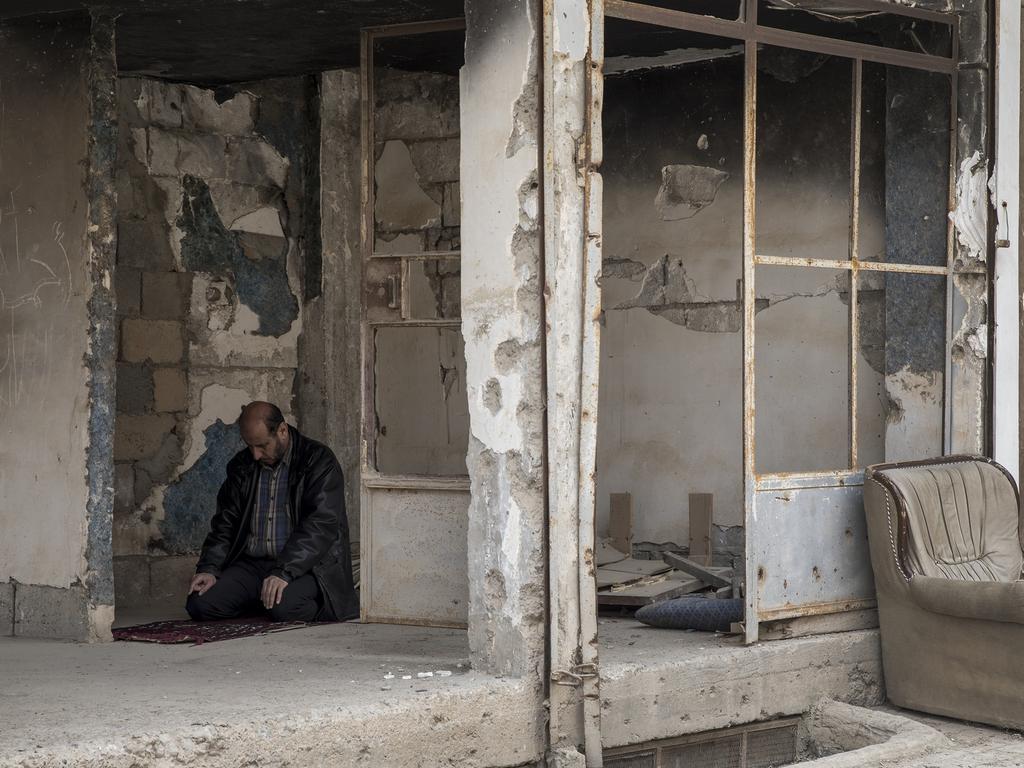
{"x":407,"y":677}
{"x":443,"y":673}
{"x":389,"y":676}
{"x":424,"y":674}
{"x":702,"y":142}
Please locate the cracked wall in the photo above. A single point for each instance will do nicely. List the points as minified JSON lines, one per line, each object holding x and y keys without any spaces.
{"x":56,"y":240}
{"x":671,"y":378}
{"x":503,"y":326}
{"x":212,"y":215}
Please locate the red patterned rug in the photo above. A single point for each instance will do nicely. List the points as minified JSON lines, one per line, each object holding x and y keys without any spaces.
{"x":199,"y":632}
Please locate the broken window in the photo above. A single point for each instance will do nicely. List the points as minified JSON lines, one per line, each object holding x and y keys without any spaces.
{"x":415,"y":492}
{"x":412,"y":276}
{"x":802,"y":155}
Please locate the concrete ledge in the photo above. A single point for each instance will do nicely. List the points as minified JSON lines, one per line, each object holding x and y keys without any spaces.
{"x":659,"y":684}
{"x":865,"y":737}
{"x":477,"y":723}
{"x":51,"y":612}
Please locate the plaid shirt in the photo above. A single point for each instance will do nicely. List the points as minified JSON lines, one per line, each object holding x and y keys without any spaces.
{"x":271,"y":522}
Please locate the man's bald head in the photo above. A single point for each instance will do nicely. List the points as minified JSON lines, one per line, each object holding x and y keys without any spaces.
{"x":264,"y":430}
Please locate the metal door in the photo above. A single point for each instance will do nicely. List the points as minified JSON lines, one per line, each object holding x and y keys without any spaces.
{"x":415,"y":488}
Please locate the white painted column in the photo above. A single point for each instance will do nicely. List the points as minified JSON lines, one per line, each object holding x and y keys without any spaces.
{"x":1006,"y":200}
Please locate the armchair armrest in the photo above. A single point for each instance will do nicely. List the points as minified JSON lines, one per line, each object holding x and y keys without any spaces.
{"x":984,"y":600}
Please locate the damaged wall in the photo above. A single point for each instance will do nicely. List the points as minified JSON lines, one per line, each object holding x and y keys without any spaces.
{"x":503,"y":326}
{"x":56,"y":238}
{"x":212,"y":205}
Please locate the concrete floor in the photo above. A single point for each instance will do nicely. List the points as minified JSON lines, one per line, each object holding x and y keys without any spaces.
{"x":325,"y":696}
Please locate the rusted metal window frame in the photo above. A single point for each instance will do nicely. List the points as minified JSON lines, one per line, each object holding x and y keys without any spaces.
{"x":751,"y":34}
{"x":372,"y":476}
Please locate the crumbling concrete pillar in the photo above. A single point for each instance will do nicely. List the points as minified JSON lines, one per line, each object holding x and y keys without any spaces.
{"x":503,"y":328}
{"x":57,"y":341}
{"x":329,"y":348}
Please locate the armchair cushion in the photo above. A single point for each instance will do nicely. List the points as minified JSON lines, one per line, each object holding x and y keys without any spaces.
{"x":961,"y":518}
{"x":985,"y":600}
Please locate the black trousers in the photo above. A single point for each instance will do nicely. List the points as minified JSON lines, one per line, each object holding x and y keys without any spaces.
{"x":237,"y":593}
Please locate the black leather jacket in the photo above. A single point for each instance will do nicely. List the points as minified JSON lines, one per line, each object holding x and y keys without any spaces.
{"x":319,"y":541}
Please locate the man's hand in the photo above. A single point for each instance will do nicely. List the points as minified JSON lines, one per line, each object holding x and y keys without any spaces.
{"x":273,"y":590}
{"x":201,"y":582}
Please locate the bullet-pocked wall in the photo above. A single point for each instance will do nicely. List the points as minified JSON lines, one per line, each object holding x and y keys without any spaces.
{"x":671,"y":419}
{"x":214,"y":220}
{"x":56,"y":326}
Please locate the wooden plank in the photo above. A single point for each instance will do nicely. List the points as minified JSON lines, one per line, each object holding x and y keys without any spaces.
{"x":605,"y":554}
{"x":648,"y":592}
{"x":620,"y":521}
{"x":701,"y":513}
{"x":635,"y":567}
{"x":715,"y":577}
{"x":606,"y":577}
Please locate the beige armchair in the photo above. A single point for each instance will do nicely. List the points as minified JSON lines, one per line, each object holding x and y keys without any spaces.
{"x":945,"y":539}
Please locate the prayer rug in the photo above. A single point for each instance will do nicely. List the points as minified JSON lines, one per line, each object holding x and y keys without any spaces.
{"x":199,"y":632}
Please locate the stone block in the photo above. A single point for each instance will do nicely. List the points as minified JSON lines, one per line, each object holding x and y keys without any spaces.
{"x":416,"y":105}
{"x":253,"y":161}
{"x":436,"y":160}
{"x":129,"y":100}
{"x":159,"y":341}
{"x":160,"y":466}
{"x":163,"y":153}
{"x":451,"y":213}
{"x":165,"y":295}
{"x":169,"y":577}
{"x":134,"y":388}
{"x":170,"y":389}
{"x":140,"y":437}
{"x":232,"y":117}
{"x":51,"y":612}
{"x":124,"y":488}
{"x":128,"y":290}
{"x":144,"y":243}
{"x":6,"y":609}
{"x":162,"y":103}
{"x":143,"y":486}
{"x":131,"y":581}
{"x":203,"y":155}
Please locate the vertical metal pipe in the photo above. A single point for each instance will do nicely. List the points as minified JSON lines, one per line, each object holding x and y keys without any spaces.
{"x":591,"y":359}
{"x":855,"y":134}
{"x":749,"y":297}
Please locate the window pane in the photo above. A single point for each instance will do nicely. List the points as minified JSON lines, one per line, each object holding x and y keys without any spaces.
{"x":888,"y":30}
{"x":900,"y":392}
{"x":670,"y":414}
{"x":434,"y":289}
{"x":802,"y":369}
{"x":904,"y":188}
{"x":422,"y":410}
{"x":803,"y":154}
{"x":416,"y":135}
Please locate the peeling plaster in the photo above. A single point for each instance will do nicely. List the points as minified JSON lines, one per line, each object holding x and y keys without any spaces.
{"x":969,"y":217}
{"x":686,"y":190}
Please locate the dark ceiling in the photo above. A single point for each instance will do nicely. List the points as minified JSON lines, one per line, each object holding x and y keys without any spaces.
{"x":232,"y":41}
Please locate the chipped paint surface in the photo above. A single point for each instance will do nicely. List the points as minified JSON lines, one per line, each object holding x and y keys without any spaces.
{"x":969,"y":217}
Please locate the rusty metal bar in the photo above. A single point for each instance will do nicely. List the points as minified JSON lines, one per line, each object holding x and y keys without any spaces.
{"x":867,"y":266}
{"x":417,"y":482}
{"x":792,"y":481}
{"x":818,"y":609}
{"x":749,"y":301}
{"x":417,"y":28}
{"x":831,"y":47}
{"x":855,"y":138}
{"x":423,"y":255}
{"x":664,"y":17}
{"x":947,"y":383}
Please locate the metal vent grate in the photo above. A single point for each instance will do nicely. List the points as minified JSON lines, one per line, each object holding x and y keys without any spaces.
{"x":758,"y":745}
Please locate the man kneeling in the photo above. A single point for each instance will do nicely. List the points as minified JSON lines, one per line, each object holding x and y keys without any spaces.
{"x":279,"y":539}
